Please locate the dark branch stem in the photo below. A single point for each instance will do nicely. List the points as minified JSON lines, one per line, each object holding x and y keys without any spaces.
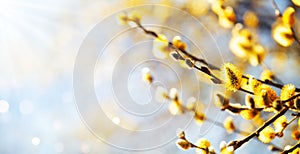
{"x":291,"y":149}
{"x":239,"y":143}
{"x":246,"y":91}
{"x":271,"y":83}
{"x":293,"y":97}
{"x":202,"y":61}
{"x":196,"y":59}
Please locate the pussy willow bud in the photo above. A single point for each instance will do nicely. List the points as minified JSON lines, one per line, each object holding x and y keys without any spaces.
{"x":283,"y":35}
{"x":288,"y":16}
{"x":266,"y":135}
{"x":296,"y":2}
{"x":176,"y":56}
{"x":229,"y":125}
{"x":287,"y":92}
{"x":189,"y":63}
{"x":183,"y":144}
{"x":232,"y":77}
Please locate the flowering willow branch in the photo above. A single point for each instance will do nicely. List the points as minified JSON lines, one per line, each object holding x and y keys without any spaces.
{"x":292,"y":98}
{"x":152,"y":33}
{"x":287,"y":124}
{"x":203,"y":69}
{"x":194,"y":58}
{"x":271,"y":83}
{"x":239,"y":143}
{"x":291,"y":149}
{"x":279,"y":14}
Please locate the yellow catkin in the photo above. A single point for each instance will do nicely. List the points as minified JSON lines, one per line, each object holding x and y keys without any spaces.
{"x":227,"y":17}
{"x":232,"y":77}
{"x":265,"y":97}
{"x":250,"y":19}
{"x":229,"y":125}
{"x":178,"y":43}
{"x":267,"y":135}
{"x":244,"y":45}
{"x":249,"y":114}
{"x":180,"y":133}
{"x":183,"y":144}
{"x":134,"y":16}
{"x":227,"y":150}
{"x":202,"y":143}
{"x":280,"y":123}
{"x":241,"y":41}
{"x":271,"y":94}
{"x":199,"y":117}
{"x":122,"y":18}
{"x":146,"y":75}
{"x":287,"y":92}
{"x":257,"y":55}
{"x":217,"y":6}
{"x":296,"y":2}
{"x":283,"y":35}
{"x":175,"y":108}
{"x":267,"y":75}
{"x":255,"y":85}
{"x":224,"y":149}
{"x":160,"y":47}
{"x":288,"y":16}
{"x":296,"y":135}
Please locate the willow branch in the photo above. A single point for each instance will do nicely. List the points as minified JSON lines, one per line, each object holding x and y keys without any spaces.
{"x":297,"y":145}
{"x":239,"y":143}
{"x":279,"y":14}
{"x":292,"y":98}
{"x":271,"y":83}
{"x":205,"y":63}
{"x":195,"y":58}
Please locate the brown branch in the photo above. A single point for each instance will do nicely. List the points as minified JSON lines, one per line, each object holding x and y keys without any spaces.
{"x":271,"y":83}
{"x":239,"y":143}
{"x":293,"y":97}
{"x":246,"y":91}
{"x":275,"y":148}
{"x":297,"y":145}
{"x":202,"y":61}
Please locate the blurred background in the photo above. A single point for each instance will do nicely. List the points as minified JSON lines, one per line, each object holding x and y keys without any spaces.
{"x":38,"y":48}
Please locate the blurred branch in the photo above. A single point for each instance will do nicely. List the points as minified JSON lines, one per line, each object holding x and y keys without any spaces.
{"x":279,"y":14}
